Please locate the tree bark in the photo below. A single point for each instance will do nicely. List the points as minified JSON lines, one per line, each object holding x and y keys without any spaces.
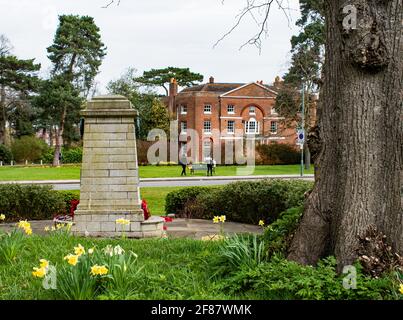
{"x":359,"y":166}
{"x":59,"y":138}
{"x":307,"y":157}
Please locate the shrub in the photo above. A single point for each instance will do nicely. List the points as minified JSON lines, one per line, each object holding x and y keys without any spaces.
{"x":47,"y":156}
{"x":282,"y":279}
{"x":175,"y":201}
{"x":68,"y":196}
{"x":142,"y":149}
{"x":30,"y":202}
{"x":246,"y":202}
{"x":28,"y":148}
{"x":73,"y":155}
{"x":5,"y":154}
{"x":277,"y":153}
{"x":279,"y":234}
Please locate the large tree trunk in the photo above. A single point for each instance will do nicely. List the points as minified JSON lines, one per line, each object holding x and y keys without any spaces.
{"x":59,"y":138}
{"x":307,"y":157}
{"x":359,"y":176}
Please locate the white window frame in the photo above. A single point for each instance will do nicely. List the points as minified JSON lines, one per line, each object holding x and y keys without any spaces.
{"x":248,"y":126}
{"x":271,"y":127}
{"x":233,"y":109}
{"x":184,"y":130}
{"x":252,"y":108}
{"x":273,"y":111}
{"x":204,"y":108}
{"x":184,"y":109}
{"x":233,"y":127}
{"x":206,"y":131}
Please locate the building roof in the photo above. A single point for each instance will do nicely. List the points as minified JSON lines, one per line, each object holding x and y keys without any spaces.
{"x":218,"y":87}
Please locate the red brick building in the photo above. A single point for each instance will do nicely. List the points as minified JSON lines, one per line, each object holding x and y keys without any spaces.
{"x":235,"y":110}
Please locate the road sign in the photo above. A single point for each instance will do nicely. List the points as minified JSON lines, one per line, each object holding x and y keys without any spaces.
{"x":301,"y":136}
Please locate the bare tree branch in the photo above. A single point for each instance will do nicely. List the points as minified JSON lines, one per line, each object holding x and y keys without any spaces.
{"x":110,"y":3}
{"x":254,"y":8}
{"x":5,"y":45}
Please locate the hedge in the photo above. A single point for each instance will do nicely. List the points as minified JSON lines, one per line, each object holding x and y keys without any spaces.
{"x":5,"y":154}
{"x":68,"y":196}
{"x":28,"y":148}
{"x":277,"y":153}
{"x":245,"y":201}
{"x":175,"y":201}
{"x":72,"y":155}
{"x":30,"y":202}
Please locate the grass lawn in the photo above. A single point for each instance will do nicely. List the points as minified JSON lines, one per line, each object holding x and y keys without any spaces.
{"x":169,"y":269}
{"x":155,"y":198}
{"x":71,"y":172}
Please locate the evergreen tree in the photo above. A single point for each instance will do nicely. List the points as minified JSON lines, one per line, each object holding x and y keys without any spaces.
{"x":17,"y":78}
{"x":161,"y":77}
{"x":57,"y":97}
{"x":76,"y":53}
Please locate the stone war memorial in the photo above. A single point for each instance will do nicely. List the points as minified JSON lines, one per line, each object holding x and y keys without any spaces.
{"x":109,"y":173}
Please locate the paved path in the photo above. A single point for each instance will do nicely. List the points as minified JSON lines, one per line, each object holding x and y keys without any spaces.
{"x":170,"y":182}
{"x":184,"y":228}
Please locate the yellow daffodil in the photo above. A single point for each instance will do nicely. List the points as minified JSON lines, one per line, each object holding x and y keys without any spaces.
{"x":47,"y":229}
{"x":28,"y":231}
{"x":91,"y":250}
{"x":222,"y":219}
{"x":122,"y":221}
{"x":39,"y":272}
{"x":261,"y":223}
{"x":44,"y":263}
{"x":24,"y":224}
{"x":59,"y":226}
{"x":53,"y":228}
{"x":72,"y":259}
{"x":99,"y":270}
{"x":216,"y":219}
{"x":79,"y":250}
{"x":2,"y":217}
{"x":401,"y":289}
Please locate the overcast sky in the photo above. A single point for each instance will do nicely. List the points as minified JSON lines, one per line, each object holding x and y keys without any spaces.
{"x":149,"y":34}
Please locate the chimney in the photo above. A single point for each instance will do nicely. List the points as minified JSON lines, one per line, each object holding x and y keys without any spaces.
{"x":173,"y":91}
{"x":211,"y":79}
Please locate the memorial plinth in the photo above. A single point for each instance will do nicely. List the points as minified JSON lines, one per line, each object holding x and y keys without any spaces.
{"x":109,"y":173}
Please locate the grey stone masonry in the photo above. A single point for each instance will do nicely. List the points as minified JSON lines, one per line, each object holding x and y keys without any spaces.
{"x":109,"y":172}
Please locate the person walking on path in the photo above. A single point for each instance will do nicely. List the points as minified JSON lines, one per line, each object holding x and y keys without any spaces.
{"x":183,"y":163}
{"x":209,"y":166}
